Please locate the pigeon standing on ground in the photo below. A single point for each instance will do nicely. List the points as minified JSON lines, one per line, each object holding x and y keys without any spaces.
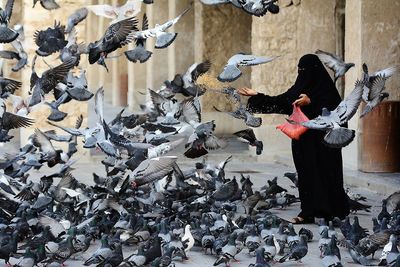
{"x":297,"y":252}
{"x":335,"y":63}
{"x":231,"y":70}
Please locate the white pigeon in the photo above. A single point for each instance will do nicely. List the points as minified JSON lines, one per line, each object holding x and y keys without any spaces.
{"x":163,"y":39}
{"x":117,"y":13}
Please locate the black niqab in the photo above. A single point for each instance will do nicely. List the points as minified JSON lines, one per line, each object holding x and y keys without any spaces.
{"x":319,"y":168}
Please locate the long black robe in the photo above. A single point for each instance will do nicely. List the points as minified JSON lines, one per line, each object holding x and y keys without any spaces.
{"x":319,"y":168}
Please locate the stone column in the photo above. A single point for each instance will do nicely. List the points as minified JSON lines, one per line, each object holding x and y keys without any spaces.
{"x":40,"y":21}
{"x":220,"y":32}
{"x":373,"y":37}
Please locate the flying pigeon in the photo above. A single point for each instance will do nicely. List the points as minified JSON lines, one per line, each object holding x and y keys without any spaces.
{"x":163,"y":39}
{"x":374,"y":89}
{"x":231,"y":70}
{"x":8,"y":87}
{"x":77,"y":87}
{"x":10,"y":121}
{"x":130,"y":9}
{"x":78,"y":16}
{"x":335,"y":63}
{"x":116,"y":36}
{"x":50,"y":40}
{"x":47,"y":4}
{"x":7,"y":35}
{"x":19,"y":55}
{"x":50,"y":78}
{"x":331,"y":121}
{"x":248,"y":135}
{"x":140,"y":53}
{"x":259,"y":8}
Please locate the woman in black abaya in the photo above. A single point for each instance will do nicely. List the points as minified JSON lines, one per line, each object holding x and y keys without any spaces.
{"x":319,"y":167}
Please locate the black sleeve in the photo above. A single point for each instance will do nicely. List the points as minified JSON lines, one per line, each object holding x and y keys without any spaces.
{"x":280,"y":104}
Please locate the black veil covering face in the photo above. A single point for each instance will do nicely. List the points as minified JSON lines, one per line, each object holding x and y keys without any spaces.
{"x":312,"y":80}
{"x":319,"y":168}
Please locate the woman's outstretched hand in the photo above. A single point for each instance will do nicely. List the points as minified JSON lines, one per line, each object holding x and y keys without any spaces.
{"x":247,"y":91}
{"x":303,"y":100}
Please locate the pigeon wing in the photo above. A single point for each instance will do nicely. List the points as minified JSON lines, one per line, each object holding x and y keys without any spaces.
{"x":348,"y":107}
{"x":56,"y":227}
{"x":247,"y":134}
{"x":103,"y":10}
{"x":40,"y":140}
{"x":9,"y":8}
{"x":12,"y":121}
{"x":130,"y":9}
{"x":200,"y":69}
{"x":189,"y":111}
{"x":388,"y":72}
{"x":9,"y":54}
{"x":99,"y":104}
{"x":377,"y":87}
{"x":330,"y":60}
{"x":153,"y":169}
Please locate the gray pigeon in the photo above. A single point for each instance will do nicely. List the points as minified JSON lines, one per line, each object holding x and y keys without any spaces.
{"x":8,"y":87}
{"x":116,"y":36}
{"x":331,"y":121}
{"x":10,"y":121}
{"x":374,"y":86}
{"x":149,"y":171}
{"x":231,"y":70}
{"x":297,"y":252}
{"x":50,"y":78}
{"x":203,"y":139}
{"x":163,"y":38}
{"x":56,"y":114}
{"x":242,"y":113}
{"x":77,"y":87}
{"x":140,"y":53}
{"x":75,"y":18}
{"x":335,"y":63}
{"x":47,"y":4}
{"x":19,"y":55}
{"x":260,"y":260}
{"x":7,"y":35}
{"x":374,"y":95}
{"x":259,"y":8}
{"x":250,"y":137}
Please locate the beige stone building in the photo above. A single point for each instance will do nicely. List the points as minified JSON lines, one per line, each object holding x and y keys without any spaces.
{"x":358,"y":30}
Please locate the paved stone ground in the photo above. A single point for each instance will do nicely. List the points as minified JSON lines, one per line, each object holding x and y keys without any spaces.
{"x":260,"y":173}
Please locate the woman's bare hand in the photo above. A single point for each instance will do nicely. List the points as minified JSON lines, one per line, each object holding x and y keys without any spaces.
{"x":247,"y":91}
{"x":303,"y":100}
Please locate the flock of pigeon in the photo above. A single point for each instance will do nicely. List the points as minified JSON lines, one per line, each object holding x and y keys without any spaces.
{"x":147,"y":202}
